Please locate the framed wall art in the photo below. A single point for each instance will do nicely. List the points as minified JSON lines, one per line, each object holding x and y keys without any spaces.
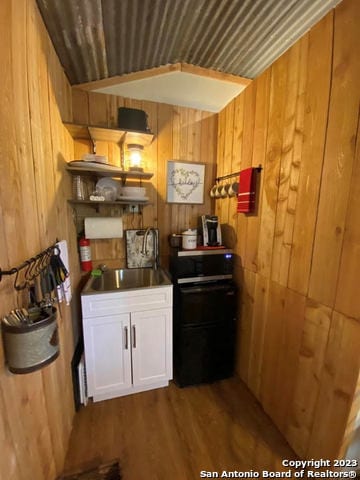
{"x":185,"y":182}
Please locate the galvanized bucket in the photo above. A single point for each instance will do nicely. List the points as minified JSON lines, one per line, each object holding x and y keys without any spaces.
{"x":31,"y":347}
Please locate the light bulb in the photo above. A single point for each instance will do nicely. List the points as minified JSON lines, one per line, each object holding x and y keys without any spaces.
{"x":135,"y":156}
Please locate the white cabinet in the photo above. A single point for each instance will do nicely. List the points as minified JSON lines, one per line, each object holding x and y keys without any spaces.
{"x":150,"y":341}
{"x":127,"y":341}
{"x":108,"y":357}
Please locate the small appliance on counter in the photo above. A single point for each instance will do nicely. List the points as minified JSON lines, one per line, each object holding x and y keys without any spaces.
{"x":204,"y":315}
{"x":210,"y":230}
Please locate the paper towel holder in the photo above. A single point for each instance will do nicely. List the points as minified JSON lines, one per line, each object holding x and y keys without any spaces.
{"x":103,"y":227}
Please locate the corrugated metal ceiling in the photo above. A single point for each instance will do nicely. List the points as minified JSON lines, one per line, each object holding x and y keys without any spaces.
{"x":97,"y":39}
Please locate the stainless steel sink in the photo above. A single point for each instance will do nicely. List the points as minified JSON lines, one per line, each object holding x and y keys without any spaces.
{"x":124,"y":279}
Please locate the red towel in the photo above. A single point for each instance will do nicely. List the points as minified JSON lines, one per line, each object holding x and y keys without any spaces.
{"x":247,"y":187}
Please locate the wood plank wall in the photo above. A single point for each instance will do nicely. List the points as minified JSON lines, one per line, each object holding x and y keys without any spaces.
{"x":180,"y":133}
{"x":36,"y":408}
{"x":299,"y":339}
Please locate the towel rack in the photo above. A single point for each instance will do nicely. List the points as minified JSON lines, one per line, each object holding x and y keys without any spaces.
{"x":235,"y":174}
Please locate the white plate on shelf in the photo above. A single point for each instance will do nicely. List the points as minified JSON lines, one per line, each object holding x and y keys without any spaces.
{"x":108,"y":187}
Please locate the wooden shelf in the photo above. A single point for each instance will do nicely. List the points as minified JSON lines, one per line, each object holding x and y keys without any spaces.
{"x":107,"y":203}
{"x":105,"y":134}
{"x":103,"y":170}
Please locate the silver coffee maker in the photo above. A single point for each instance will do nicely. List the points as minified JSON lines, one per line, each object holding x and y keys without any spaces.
{"x":211,"y":231}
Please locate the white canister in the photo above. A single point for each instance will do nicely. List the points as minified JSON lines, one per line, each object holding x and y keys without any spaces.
{"x":189,"y":238}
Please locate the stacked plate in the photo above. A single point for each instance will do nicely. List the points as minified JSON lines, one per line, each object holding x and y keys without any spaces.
{"x":133,"y":193}
{"x":92,"y":157}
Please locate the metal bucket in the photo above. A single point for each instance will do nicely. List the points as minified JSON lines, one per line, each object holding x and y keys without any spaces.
{"x":31,"y":347}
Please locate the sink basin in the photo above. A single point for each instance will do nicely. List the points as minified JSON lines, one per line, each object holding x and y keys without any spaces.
{"x":124,"y":279}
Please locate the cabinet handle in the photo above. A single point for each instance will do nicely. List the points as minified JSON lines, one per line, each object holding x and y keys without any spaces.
{"x":126,"y":338}
{"x":134,"y":336}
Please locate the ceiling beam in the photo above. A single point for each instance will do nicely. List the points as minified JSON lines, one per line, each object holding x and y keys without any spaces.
{"x":152,"y":72}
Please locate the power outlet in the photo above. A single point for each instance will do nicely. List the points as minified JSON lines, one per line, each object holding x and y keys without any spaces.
{"x":133,"y":209}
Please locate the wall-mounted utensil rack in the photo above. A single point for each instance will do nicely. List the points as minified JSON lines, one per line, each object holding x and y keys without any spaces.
{"x":235,"y":174}
{"x":33,"y":265}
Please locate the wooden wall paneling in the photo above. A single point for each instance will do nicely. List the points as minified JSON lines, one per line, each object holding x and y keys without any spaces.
{"x":80,"y":106}
{"x":347,"y":298}
{"x":246,"y":281}
{"x":8,"y":460}
{"x":224,"y":203}
{"x":315,"y":122}
{"x":150,"y":212}
{"x":175,"y":228}
{"x":249,"y":124}
{"x":238,"y":135}
{"x":246,"y":160}
{"x":338,"y":381}
{"x":258,"y":329}
{"x":258,"y":158}
{"x":40,"y":134}
{"x":285,"y":213}
{"x":194,"y":135}
{"x":350,"y":447}
{"x":339,"y":154}
{"x":29,"y":221}
{"x":9,"y":225}
{"x":197,"y":157}
{"x":22,"y":194}
{"x":187,"y":132}
{"x":113,"y":104}
{"x":182,"y":155}
{"x":208,"y":156}
{"x":99,"y":115}
{"x":187,"y":217}
{"x":299,"y":369}
{"x":12,"y":449}
{"x":53,"y":377}
{"x":280,"y":72}
{"x":270,"y":172}
{"x":314,"y":340}
{"x":56,"y":379}
{"x":285,"y":338}
{"x":271,"y":351}
{"x":164,"y":153}
{"x":292,"y":328}
{"x":98,"y":111}
{"x":236,"y":161}
{"x":220,"y":167}
{"x":297,"y":157}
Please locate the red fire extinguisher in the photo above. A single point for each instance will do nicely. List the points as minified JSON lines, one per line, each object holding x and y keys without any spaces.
{"x":85,"y":254}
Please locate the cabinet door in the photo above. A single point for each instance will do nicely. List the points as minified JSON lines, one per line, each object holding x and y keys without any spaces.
{"x":107,"y":354}
{"x":151,"y":339}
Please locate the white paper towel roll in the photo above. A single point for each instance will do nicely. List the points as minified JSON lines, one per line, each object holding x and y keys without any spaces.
{"x":103,"y":227}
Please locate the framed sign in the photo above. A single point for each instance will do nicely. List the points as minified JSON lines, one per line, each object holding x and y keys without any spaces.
{"x":185,"y":182}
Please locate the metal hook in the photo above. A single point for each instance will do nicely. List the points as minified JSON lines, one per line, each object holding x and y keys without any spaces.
{"x":21,"y":286}
{"x":28,"y":270}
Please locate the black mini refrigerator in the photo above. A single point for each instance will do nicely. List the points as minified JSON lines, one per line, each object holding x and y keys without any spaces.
{"x":205,"y":306}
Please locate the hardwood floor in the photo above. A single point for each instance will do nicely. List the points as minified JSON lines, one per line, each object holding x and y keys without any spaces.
{"x":174,"y":433}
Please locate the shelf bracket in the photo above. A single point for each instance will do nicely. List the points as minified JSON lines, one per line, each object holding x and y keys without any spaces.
{"x":93,"y":141}
{"x":122,"y":155}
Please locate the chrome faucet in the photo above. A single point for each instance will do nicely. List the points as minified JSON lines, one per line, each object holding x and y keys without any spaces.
{"x":156,"y":246}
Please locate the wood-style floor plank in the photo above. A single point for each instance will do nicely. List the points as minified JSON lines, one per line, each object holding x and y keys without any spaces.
{"x":174,"y":433}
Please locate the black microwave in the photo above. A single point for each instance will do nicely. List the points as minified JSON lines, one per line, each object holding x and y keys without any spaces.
{"x":201,"y":265}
